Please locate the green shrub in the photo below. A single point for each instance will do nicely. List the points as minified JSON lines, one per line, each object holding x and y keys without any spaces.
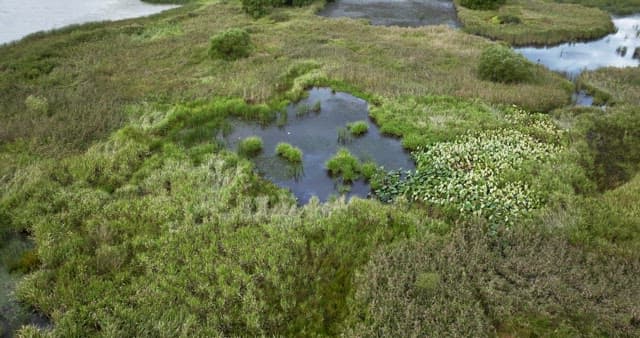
{"x":289,"y":152}
{"x":231,"y":44}
{"x":250,"y":146}
{"x":36,"y":104}
{"x":482,"y":4}
{"x":499,"y":63}
{"x":345,"y":165}
{"x":358,"y":128}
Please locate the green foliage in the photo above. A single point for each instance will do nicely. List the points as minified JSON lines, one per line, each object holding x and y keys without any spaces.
{"x":467,"y":177}
{"x":358,"y":128}
{"x":422,"y":121}
{"x":289,"y":152}
{"x":259,"y":8}
{"x":506,"y":19}
{"x":369,"y":169}
{"x":231,"y":44}
{"x":525,"y":283}
{"x":344,"y":165}
{"x":250,"y":146}
{"x":618,"y":7}
{"x":612,"y":142}
{"x":499,"y":63}
{"x":482,"y":4}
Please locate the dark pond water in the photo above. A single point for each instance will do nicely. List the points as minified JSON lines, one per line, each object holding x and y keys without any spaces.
{"x":13,"y":314}
{"x":614,"y":50}
{"x":19,"y":18}
{"x":317,"y":136}
{"x":405,"y":13}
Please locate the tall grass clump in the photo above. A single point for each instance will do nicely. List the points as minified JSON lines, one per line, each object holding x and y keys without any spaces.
{"x":289,"y":152}
{"x":482,"y":4}
{"x":344,"y":165}
{"x":499,"y":63}
{"x":250,"y":146}
{"x":231,"y":44}
{"x":358,"y":128}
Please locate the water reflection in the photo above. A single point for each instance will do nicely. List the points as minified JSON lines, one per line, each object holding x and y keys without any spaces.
{"x":620,"y":49}
{"x":406,"y":13}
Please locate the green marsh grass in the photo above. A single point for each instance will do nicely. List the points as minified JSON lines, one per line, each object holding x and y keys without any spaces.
{"x":541,"y":22}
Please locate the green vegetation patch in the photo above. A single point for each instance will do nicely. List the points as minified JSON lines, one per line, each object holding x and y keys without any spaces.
{"x":536,"y":22}
{"x":475,"y":175}
{"x":612,"y":85}
{"x":500,"y":63}
{"x":482,"y":4}
{"x":358,"y":128}
{"x":250,"y":146}
{"x":618,"y":7}
{"x":289,"y":152}
{"x":344,"y":165}
{"x":231,"y":44}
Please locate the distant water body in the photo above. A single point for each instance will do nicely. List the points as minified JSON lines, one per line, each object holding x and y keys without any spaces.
{"x":19,"y":18}
{"x":614,"y":50}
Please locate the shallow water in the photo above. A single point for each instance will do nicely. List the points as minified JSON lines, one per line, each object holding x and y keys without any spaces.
{"x":19,"y":18}
{"x":614,"y":50}
{"x":316,"y":135}
{"x":406,"y":13}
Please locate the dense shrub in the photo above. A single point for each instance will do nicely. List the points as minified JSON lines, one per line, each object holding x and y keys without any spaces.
{"x":345,"y":165}
{"x":289,"y":152}
{"x":482,"y":4}
{"x":231,"y":44}
{"x":499,"y":63}
{"x":250,"y":146}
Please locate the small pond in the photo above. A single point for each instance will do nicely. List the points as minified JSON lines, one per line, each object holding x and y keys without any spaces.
{"x":405,"y":13}
{"x":316,"y":134}
{"x":19,"y":18}
{"x":620,"y":49}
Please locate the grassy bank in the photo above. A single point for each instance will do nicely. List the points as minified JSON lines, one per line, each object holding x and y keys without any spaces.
{"x":612,"y":85}
{"x":617,"y":7}
{"x":537,"y":22}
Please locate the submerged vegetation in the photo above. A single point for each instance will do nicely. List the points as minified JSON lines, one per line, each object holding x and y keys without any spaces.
{"x":521,"y":218}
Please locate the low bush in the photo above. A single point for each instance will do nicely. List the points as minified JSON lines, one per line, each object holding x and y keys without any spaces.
{"x":344,"y":165}
{"x":482,"y":4}
{"x":289,"y":152}
{"x":231,"y":44}
{"x":250,"y":146}
{"x":358,"y":128}
{"x":499,"y":63}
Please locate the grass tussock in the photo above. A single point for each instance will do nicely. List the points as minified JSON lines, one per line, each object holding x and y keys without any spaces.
{"x":537,"y":22}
